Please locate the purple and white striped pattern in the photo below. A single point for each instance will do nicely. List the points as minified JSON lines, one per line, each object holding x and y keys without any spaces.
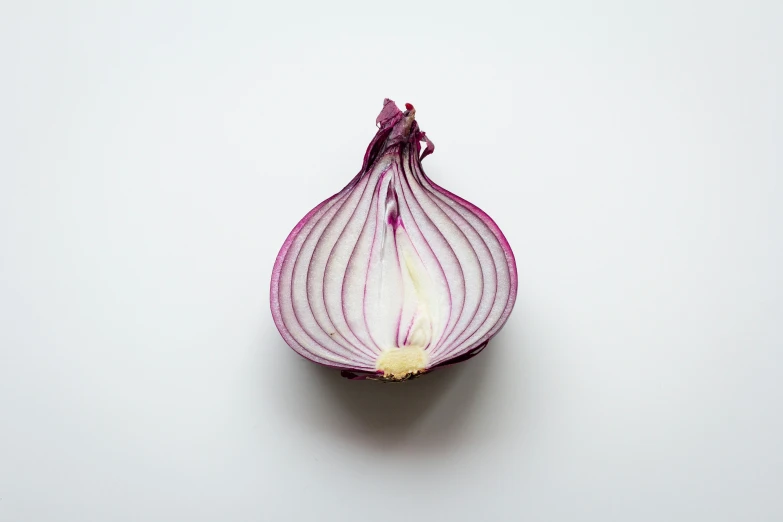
{"x":392,"y":260}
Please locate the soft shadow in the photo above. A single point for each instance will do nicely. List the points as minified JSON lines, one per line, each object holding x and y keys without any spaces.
{"x":435,"y":414}
{"x":432,"y":407}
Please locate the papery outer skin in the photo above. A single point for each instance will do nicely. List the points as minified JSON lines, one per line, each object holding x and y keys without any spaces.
{"x":392,"y":161}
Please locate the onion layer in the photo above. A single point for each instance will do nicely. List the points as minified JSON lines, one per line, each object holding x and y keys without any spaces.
{"x":393,"y":276}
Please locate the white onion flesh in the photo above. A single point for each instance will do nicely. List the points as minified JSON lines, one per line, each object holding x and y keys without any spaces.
{"x":393,"y":268}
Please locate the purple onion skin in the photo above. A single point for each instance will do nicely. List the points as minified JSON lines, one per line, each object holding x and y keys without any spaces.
{"x":395,"y":129}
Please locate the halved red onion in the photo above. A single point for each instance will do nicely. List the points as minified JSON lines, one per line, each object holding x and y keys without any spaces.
{"x":393,"y":276}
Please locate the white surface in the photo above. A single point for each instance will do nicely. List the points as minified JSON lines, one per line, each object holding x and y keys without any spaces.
{"x":153,"y":159}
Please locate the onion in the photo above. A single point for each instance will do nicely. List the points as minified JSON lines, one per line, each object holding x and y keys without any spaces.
{"x":393,"y":276}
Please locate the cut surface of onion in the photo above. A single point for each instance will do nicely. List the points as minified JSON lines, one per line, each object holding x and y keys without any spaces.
{"x":393,"y":276}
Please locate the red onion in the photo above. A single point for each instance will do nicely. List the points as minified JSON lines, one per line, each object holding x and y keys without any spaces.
{"x":393,"y":276}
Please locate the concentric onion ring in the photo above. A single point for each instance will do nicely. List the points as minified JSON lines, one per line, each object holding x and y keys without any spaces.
{"x":393,"y":276}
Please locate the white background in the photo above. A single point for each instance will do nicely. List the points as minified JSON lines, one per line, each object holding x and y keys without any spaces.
{"x":154,"y":156}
